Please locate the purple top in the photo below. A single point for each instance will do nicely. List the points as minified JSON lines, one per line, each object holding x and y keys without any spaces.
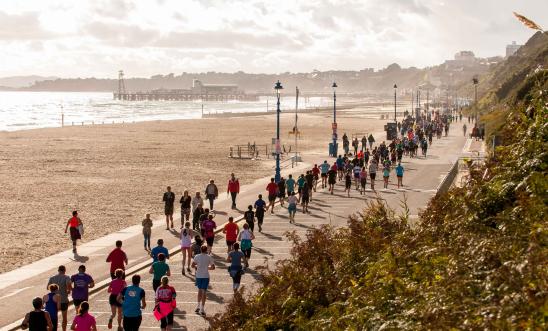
{"x":80,"y":288}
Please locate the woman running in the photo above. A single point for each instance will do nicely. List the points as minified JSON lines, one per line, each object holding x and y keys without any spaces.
{"x":186,"y":206}
{"x":116,"y":286}
{"x":186,"y":242}
{"x":292,"y":207}
{"x":363,"y":180}
{"x":37,"y":319}
{"x":165,"y":303}
{"x":260,"y":205}
{"x":52,"y":302}
{"x":249,"y":217}
{"x":76,"y":225}
{"x":235,"y":258}
{"x":245,"y":238}
{"x":347,"y":182}
{"x":373,"y":173}
{"x":83,"y":321}
{"x":386,"y":176}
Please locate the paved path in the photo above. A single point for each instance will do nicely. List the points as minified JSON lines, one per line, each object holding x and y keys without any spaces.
{"x":421,"y":178}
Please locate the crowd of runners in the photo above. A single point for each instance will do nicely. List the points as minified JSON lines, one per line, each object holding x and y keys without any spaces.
{"x":198,"y":230}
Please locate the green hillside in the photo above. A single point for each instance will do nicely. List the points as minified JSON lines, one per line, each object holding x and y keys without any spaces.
{"x":478,"y":259}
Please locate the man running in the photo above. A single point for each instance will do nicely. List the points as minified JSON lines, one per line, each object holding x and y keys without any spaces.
{"x":290,"y":184}
{"x":169,"y":200}
{"x":203,"y":262}
{"x":309,"y":177}
{"x":316,"y":174}
{"x":300,"y":184}
{"x":158,"y":270}
{"x":64,"y":287}
{"x":82,"y":282}
{"x":233,"y":188}
{"x":272,"y":190}
{"x":324,"y":168}
{"x":231,"y":231}
{"x":332,"y":178}
{"x":399,"y":174}
{"x":159,"y":249}
{"x":260,"y":205}
{"x":75,"y":223}
{"x":133,"y":300}
{"x":117,"y":259}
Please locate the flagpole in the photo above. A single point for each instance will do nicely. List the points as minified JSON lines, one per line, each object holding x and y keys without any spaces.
{"x":296,"y":128}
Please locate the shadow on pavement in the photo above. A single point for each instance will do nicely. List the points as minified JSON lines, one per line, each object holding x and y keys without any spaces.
{"x":80,"y":258}
{"x":271,"y":236}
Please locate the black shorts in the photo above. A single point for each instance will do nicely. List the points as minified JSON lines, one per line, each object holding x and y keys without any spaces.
{"x":168,"y":210}
{"x":229,"y":243}
{"x":64,"y":306}
{"x":332,"y":181}
{"x":372,"y":176}
{"x":324,"y":175}
{"x":132,"y":323}
{"x":168,"y":320}
{"x":209,"y":241}
{"x":305,"y":199}
{"x":77,"y":302}
{"x":156,"y":283}
{"x":113,"y":301}
{"x":348,"y":185}
{"x":281,"y":194}
{"x":272,"y":197}
{"x":299,"y":190}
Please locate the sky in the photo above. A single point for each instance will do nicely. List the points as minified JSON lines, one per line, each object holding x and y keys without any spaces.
{"x":96,"y":38}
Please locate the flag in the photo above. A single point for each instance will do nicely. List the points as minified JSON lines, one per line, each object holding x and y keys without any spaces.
{"x":527,"y":22}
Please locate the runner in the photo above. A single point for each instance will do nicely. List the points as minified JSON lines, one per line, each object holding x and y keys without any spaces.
{"x":324,"y":168}
{"x":249,"y":217}
{"x":133,"y":300}
{"x":209,"y":227}
{"x":159,"y":249}
{"x":281,"y":191}
{"x":363,"y":180}
{"x":356,"y":171}
{"x":332,"y":178}
{"x":196,"y":215}
{"x":52,"y":302}
{"x":260,"y":210}
{"x":165,"y":303}
{"x":76,"y":225}
{"x":290,"y":184}
{"x":117,"y":259}
{"x":464,"y":129}
{"x":347,"y":182}
{"x":233,"y":188}
{"x":272,"y":189}
{"x":82,"y":282}
{"x":399,"y":174}
{"x":158,"y":270}
{"x":186,"y":243}
{"x":197,"y":200}
{"x":235,"y":269}
{"x":340,"y":166}
{"x":203,"y":262}
{"x":300,"y":184}
{"x":64,"y":288}
{"x":147,"y":231}
{"x":316,"y":174}
{"x":115,"y":288}
{"x":386,"y":175}
{"x":245,"y":238}
{"x":231,"y":231}
{"x":305,"y":197}
{"x":84,"y":321}
{"x":211,"y":192}
{"x":186,"y":206}
{"x":309,"y":177}
{"x":169,"y":199}
{"x":37,"y":319}
{"x":371,"y":140}
{"x":292,"y":207}
{"x":373,"y":173}
{"x":201,"y":221}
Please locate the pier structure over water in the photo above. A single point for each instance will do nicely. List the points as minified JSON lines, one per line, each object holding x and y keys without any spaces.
{"x":199,"y":91}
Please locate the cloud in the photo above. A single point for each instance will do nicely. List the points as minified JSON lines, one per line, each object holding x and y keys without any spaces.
{"x":121,"y":35}
{"x":113,"y":8}
{"x":26,"y":26}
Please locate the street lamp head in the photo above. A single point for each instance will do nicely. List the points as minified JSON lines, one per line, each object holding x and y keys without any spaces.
{"x":395,"y":86}
{"x":334,"y":85}
{"x":278,"y":86}
{"x":475,"y":80}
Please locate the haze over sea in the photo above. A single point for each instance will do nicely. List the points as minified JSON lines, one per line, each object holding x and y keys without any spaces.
{"x":32,"y":110}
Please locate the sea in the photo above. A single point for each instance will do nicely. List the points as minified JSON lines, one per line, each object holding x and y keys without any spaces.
{"x":33,"y":110}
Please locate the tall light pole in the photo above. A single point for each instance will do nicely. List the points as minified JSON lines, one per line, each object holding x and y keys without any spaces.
{"x":476,"y":81}
{"x":278,"y":87}
{"x":395,"y":91}
{"x":334,"y":125}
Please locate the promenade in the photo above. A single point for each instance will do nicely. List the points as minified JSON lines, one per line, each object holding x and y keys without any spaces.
{"x":421,"y":179}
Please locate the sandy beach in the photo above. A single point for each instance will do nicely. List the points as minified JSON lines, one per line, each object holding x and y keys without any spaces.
{"x":114,"y":174}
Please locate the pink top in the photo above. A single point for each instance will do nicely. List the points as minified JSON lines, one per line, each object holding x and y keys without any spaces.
{"x":84,"y":322}
{"x":116,"y":286}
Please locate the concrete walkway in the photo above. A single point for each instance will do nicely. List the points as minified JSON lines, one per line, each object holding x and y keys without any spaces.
{"x":421,"y":179}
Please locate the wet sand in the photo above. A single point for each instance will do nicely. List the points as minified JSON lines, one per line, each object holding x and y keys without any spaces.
{"x":114,"y":174}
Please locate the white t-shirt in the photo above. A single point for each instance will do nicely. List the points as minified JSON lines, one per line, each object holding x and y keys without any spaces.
{"x":203,"y":261}
{"x":292,"y":200}
{"x":245,"y":234}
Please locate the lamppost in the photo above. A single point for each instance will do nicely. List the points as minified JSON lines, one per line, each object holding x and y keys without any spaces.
{"x":278,"y":87}
{"x":334,"y":125}
{"x":476,"y":81}
{"x":395,"y":91}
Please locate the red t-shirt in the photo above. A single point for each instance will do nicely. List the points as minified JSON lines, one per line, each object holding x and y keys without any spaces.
{"x":316,"y":171}
{"x":117,"y":258}
{"x":231,"y":230}
{"x":272,"y":188}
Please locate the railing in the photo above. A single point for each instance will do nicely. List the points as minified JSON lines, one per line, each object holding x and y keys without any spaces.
{"x":459,"y":165}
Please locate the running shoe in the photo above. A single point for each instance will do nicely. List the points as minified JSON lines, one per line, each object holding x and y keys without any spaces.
{"x":109,"y":323}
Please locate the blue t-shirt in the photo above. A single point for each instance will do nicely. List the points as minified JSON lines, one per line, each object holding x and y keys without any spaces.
{"x":131,"y":306}
{"x":300,"y":182}
{"x":260,"y":204}
{"x":399,"y":171}
{"x":340,"y":162}
{"x":157,"y":250}
{"x":290,"y":183}
{"x":324,"y":168}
